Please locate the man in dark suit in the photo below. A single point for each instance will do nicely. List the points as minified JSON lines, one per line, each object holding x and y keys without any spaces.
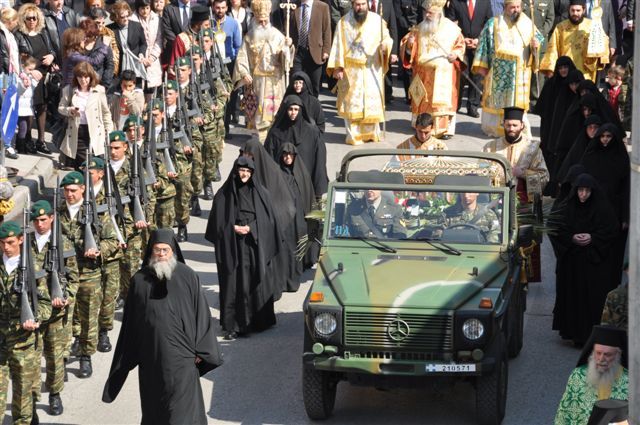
{"x":375,"y":216}
{"x":471,"y":26}
{"x":386,"y":10}
{"x":175,"y":19}
{"x":57,"y":18}
{"x":312,"y":38}
{"x":129,"y":34}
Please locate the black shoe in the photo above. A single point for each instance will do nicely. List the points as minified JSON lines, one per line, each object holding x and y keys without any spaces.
{"x":41,"y":147}
{"x":208,"y":191}
{"x":55,"y":405}
{"x":35,"y":420}
{"x":10,"y":153}
{"x":75,"y":347}
{"x":230,"y":336}
{"x":85,"y":367}
{"x":182,"y":233}
{"x":473,"y":112}
{"x":119,"y":303}
{"x":196,"y":211}
{"x":31,"y":148}
{"x":217,"y":177}
{"x":104,"y":345}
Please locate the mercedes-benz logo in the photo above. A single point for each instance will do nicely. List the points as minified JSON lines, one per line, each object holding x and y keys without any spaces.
{"x":398,"y":330}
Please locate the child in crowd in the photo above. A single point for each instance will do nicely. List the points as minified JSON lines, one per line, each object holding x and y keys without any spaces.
{"x":613,"y":87}
{"x":24,"y":143}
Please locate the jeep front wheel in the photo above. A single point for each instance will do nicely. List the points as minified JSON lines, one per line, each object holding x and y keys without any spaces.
{"x":491,"y":393}
{"x":318,"y":392}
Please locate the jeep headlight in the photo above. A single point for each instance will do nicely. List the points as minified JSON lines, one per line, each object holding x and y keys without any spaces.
{"x":325,"y":324}
{"x":472,"y":329}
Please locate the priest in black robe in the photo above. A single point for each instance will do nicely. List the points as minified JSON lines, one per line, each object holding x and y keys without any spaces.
{"x":168,"y":333}
{"x":300,"y":85}
{"x":583,"y":273}
{"x":292,"y":125}
{"x":243,"y":229}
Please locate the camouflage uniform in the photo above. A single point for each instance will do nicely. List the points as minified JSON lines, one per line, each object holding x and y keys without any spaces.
{"x":165,"y":212}
{"x":214,"y":143}
{"x":200,"y":134}
{"x":56,"y":332}
{"x":488,"y":222}
{"x":183,"y":164}
{"x":89,"y":296}
{"x":616,"y":308}
{"x":19,"y":357}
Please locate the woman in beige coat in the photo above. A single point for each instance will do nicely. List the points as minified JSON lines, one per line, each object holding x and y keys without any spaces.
{"x":85,"y":104}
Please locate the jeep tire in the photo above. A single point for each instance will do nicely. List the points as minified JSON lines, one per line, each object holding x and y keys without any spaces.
{"x":318,"y":392}
{"x":491,"y":391}
{"x":515,"y":322}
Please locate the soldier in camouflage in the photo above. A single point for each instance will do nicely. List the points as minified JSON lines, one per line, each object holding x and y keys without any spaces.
{"x":616,"y":306}
{"x":183,"y":155}
{"x":165,"y":190}
{"x":90,"y":262}
{"x":468,"y":212}
{"x":55,"y":332}
{"x":19,"y":357}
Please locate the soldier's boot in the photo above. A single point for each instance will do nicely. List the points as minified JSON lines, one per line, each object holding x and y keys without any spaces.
{"x":55,"y":405}
{"x":104,"y":345}
{"x":217,"y":176}
{"x":182,"y":233}
{"x":208,"y":190}
{"x":85,"y":367}
{"x":196,"y":211}
{"x":75,"y":347}
{"x":35,"y":420}
{"x":66,"y":375}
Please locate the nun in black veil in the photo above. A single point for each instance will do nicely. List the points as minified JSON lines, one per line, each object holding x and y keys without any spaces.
{"x":244,"y":230}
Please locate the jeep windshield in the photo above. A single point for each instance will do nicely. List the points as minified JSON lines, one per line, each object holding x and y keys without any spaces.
{"x":394,"y":215}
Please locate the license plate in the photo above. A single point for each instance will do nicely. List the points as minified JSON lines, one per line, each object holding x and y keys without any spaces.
{"x":449,"y":368}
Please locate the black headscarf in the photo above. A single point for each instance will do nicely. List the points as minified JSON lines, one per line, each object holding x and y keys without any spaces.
{"x":578,"y":147}
{"x":560,"y":109}
{"x":162,"y":236}
{"x":311,"y":103}
{"x":603,"y":108}
{"x":295,"y":131}
{"x":300,"y":175}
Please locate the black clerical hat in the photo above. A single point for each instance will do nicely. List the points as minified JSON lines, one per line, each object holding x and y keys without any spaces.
{"x":609,"y":411}
{"x":163,"y":236}
{"x":582,"y":3}
{"x":605,"y":335}
{"x":513,"y":113}
{"x":200,"y":13}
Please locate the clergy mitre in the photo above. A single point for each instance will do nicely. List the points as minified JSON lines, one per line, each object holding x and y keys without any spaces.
{"x":261,"y":8}
{"x":434,"y":4}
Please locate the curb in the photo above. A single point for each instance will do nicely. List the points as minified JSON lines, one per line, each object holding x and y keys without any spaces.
{"x":33,"y":184}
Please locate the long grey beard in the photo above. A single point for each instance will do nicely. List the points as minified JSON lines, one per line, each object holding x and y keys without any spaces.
{"x":595,"y":378}
{"x":429,"y":26}
{"x":260,"y":33}
{"x":163,"y":269}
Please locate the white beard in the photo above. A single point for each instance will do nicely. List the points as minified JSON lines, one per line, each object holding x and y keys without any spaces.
{"x":163,"y":269}
{"x":429,"y":26}
{"x":595,"y":378}
{"x":260,"y":33}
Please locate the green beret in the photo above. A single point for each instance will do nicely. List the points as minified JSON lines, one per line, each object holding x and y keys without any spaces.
{"x":10,"y":228}
{"x":158,"y":104}
{"x":184,"y":61}
{"x":116,"y":136}
{"x":39,"y":208}
{"x":196,"y":50}
{"x":172,"y":85}
{"x":96,"y":163}
{"x":74,"y":177}
{"x":207,"y":32}
{"x":131,"y":121}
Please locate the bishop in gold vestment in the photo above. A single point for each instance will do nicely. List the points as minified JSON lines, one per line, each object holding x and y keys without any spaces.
{"x":434,"y":50}
{"x":505,"y":56}
{"x":359,"y":59}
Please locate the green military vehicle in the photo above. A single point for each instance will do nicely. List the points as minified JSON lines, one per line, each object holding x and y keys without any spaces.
{"x":421,"y":277}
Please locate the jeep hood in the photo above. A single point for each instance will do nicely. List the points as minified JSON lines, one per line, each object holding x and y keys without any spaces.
{"x":433,"y":281}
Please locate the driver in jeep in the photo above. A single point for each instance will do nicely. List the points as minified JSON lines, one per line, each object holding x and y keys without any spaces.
{"x":375,"y":216}
{"x":468,"y":213}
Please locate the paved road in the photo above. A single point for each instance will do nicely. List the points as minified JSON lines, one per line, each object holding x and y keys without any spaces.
{"x":260,"y":381}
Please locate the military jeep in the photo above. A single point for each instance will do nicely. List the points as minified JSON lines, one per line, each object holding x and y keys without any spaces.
{"x":427,"y":286}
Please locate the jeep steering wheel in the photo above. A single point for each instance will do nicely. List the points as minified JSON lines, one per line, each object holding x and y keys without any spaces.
{"x":469,"y":226}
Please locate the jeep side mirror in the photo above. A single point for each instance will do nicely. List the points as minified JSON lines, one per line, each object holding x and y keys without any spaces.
{"x":525,"y":235}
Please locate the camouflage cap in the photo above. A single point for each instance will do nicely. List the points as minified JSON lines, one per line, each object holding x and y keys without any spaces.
{"x":172,"y":85}
{"x":117,"y":136}
{"x":10,"y":228}
{"x":41,"y":207}
{"x":96,"y":163}
{"x":196,"y":50}
{"x":74,"y":177}
{"x":131,"y":121}
{"x":158,"y":104}
{"x":184,"y":61}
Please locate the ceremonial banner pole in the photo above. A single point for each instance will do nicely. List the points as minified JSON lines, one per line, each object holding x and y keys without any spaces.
{"x":534,"y":51}
{"x":382,"y":93}
{"x":288,"y":6}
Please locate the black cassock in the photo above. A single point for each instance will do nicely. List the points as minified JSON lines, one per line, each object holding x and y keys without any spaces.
{"x":165,"y":326}
{"x":311,"y":103}
{"x":583,"y":273}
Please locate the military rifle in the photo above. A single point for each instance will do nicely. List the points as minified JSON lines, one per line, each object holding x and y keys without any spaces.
{"x":182,"y":115}
{"x":114,"y":206}
{"x":149,"y":149}
{"x":54,"y":259}
{"x":25,"y":283}
{"x":136,"y":188}
{"x":166,"y":142}
{"x":89,"y":219}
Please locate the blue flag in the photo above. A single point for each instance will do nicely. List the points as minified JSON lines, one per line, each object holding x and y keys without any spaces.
{"x":9,"y":117}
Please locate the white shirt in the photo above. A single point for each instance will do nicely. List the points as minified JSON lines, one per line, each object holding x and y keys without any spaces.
{"x":309,"y":6}
{"x":116,"y":165}
{"x":41,"y":240}
{"x":10,"y":264}
{"x":98,"y":187}
{"x":171,"y":110}
{"x":73,"y":209}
